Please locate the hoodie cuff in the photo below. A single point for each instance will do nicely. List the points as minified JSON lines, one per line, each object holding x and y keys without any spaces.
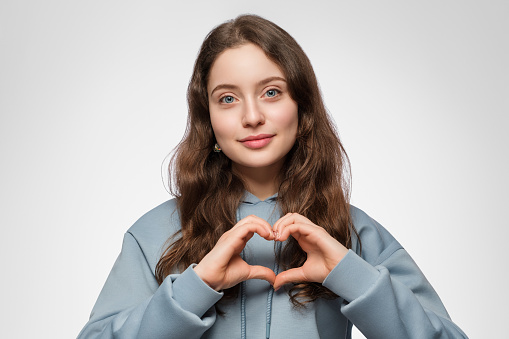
{"x":193,"y":294}
{"x":351,"y":277}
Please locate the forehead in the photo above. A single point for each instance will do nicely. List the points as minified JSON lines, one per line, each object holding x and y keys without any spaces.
{"x":242,"y":66}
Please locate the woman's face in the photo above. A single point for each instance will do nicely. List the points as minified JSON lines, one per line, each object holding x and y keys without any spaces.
{"x":253,"y":116}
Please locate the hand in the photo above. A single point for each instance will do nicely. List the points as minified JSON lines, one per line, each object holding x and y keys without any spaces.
{"x":223,"y":267}
{"x":323,"y":251}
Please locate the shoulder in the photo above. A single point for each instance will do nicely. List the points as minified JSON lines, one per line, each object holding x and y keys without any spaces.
{"x":376,"y":243}
{"x":162,"y":219}
{"x":152,"y":230}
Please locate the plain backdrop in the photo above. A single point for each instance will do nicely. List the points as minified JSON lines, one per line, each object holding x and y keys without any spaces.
{"x":92,"y":99}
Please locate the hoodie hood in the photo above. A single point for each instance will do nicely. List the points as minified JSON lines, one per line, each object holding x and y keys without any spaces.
{"x":251,"y":199}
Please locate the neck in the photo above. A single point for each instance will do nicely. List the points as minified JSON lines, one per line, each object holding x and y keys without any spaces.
{"x":261,"y":182}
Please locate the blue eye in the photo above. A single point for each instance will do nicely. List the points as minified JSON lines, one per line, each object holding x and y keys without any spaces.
{"x":227,"y":99}
{"x":272,"y":93}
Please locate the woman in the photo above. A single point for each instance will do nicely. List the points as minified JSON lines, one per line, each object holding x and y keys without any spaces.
{"x":260,"y":150}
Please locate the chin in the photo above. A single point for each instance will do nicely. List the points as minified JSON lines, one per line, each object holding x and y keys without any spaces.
{"x":259,"y":163}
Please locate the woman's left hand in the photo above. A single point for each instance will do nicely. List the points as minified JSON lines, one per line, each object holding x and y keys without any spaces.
{"x":323,"y":251}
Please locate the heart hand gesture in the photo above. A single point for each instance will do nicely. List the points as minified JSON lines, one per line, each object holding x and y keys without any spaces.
{"x":223,"y":267}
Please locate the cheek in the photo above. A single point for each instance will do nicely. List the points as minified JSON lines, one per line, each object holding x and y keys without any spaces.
{"x":222,"y":127}
{"x":288,"y":118}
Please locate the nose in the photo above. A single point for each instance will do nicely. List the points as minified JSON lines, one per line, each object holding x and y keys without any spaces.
{"x":252,"y":115}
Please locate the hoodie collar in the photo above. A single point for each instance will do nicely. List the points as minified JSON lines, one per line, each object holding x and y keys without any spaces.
{"x":250,"y":198}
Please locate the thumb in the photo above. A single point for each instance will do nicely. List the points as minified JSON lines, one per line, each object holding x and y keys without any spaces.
{"x":261,"y":272}
{"x":293,"y":275}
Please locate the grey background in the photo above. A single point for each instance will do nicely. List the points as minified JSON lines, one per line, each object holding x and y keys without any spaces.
{"x":92,"y":99}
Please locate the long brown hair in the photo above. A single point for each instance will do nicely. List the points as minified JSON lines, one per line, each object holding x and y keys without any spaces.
{"x":314,"y":178}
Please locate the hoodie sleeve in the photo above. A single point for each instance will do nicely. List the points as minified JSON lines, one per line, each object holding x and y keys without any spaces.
{"x":133,"y":305}
{"x":385,"y":293}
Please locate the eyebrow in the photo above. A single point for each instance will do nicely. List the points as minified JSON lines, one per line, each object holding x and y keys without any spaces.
{"x":259,"y":83}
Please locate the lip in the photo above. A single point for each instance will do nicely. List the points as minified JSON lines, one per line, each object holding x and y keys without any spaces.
{"x":257,"y":141}
{"x":257,"y":137}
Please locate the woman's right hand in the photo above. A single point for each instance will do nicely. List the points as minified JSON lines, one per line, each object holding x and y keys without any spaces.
{"x":223,"y":267}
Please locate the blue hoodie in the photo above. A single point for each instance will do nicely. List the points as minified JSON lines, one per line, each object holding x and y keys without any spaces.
{"x":382,"y":291}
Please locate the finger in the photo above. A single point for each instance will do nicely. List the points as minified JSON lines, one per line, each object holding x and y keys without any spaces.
{"x":294,"y":275}
{"x":250,"y":219}
{"x":291,"y":218}
{"x":247,"y":230}
{"x":280,"y":220}
{"x":314,"y":238}
{"x":233,"y":241}
{"x":261,"y":272}
{"x":256,"y":220}
{"x":297,"y":230}
{"x":288,"y":219}
{"x":281,"y":223}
